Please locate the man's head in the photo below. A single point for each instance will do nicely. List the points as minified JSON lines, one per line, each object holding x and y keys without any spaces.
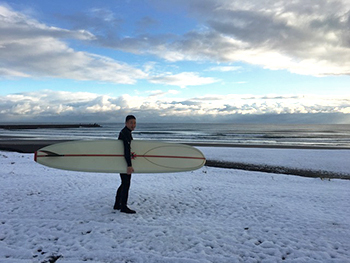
{"x":130,"y":122}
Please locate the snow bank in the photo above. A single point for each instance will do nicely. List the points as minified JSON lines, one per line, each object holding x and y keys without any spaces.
{"x":209,"y":215}
{"x":335,"y":161}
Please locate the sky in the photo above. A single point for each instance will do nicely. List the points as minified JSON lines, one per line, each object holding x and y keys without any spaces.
{"x":254,"y":61}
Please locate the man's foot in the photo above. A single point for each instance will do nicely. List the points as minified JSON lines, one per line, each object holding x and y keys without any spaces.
{"x":127,"y":210}
{"x":117,"y":207}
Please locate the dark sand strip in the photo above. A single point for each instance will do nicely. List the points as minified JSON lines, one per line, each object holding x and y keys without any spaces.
{"x":271,"y":146}
{"x":25,"y":146}
{"x":277,"y":170}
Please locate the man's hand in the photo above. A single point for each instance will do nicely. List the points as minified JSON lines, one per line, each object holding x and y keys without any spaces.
{"x":130,"y":170}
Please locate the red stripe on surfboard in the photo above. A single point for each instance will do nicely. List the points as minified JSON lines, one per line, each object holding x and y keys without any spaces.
{"x":164,"y":156}
{"x":82,"y":155}
{"x":120,"y":155}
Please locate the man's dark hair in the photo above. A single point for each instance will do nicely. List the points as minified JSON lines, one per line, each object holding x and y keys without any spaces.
{"x":130,"y":117}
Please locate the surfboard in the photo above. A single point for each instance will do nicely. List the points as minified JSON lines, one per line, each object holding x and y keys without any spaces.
{"x":107,"y":156}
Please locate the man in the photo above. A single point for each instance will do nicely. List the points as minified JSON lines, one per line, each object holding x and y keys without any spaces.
{"x":121,"y":198}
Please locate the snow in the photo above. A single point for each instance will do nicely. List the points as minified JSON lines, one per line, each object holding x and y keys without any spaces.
{"x":336,"y":161}
{"x":208,"y":215}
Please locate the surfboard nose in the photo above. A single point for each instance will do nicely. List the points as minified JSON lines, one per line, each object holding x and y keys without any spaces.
{"x":174,"y":157}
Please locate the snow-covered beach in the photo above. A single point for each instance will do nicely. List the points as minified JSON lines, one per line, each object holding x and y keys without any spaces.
{"x":208,"y":215}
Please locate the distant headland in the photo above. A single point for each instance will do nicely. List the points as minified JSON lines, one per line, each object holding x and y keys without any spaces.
{"x":47,"y":126}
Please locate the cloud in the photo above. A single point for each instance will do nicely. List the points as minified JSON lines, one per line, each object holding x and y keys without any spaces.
{"x":62,"y":106}
{"x":157,"y":93}
{"x":305,"y":37}
{"x":29,"y":48}
{"x":225,"y":68}
{"x":100,"y":21}
{"x":182,"y":80}
{"x":145,"y":23}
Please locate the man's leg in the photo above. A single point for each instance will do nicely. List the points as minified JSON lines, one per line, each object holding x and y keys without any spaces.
{"x":121,"y":199}
{"x":117,"y":204}
{"x":124,"y":191}
{"x":123,"y":188}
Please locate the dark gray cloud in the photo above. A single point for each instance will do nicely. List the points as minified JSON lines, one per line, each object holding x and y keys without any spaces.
{"x":305,"y":37}
{"x":146,"y":23}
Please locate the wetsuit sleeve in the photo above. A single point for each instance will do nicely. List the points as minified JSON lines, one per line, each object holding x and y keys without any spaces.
{"x":127,"y":151}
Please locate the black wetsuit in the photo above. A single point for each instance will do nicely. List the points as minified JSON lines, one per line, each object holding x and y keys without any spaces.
{"x":122,"y":195}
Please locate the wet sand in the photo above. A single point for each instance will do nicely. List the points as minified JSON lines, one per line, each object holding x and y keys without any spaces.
{"x":25,"y":146}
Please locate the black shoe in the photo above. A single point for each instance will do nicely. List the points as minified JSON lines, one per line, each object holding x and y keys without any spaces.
{"x":117,"y":207}
{"x":127,"y":210}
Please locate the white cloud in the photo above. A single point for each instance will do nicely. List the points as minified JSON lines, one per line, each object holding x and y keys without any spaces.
{"x":76,"y":106}
{"x":182,"y":80}
{"x":225,"y":68}
{"x":154,"y":93}
{"x":29,"y":48}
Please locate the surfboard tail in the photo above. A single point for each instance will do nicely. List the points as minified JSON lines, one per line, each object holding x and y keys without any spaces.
{"x":47,"y":154}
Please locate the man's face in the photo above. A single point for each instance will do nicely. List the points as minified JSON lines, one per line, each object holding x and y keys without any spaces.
{"x":131,"y":124}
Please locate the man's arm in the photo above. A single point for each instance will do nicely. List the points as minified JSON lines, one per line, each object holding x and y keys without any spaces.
{"x":127,"y":152}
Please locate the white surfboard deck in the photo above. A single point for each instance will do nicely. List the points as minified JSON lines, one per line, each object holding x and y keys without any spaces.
{"x":107,"y":156}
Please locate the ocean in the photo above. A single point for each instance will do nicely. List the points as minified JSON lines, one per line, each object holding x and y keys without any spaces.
{"x":213,"y":133}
